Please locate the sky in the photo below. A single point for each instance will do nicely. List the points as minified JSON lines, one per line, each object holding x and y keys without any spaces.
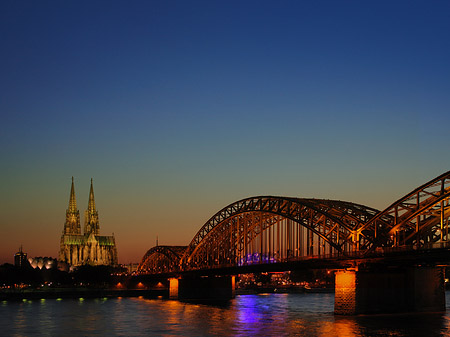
{"x":177,"y":109}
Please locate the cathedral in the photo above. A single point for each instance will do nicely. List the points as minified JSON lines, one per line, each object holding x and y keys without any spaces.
{"x":88,"y":248}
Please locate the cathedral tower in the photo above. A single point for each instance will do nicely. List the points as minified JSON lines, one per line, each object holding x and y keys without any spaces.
{"x":91,"y":223}
{"x":77,"y":249}
{"x":72,"y":224}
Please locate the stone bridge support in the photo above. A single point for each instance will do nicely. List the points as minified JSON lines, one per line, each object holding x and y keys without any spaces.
{"x":208,"y":288}
{"x":389,"y":290}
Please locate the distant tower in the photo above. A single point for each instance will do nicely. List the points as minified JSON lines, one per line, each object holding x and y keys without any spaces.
{"x":91,"y":223}
{"x":72,"y":224}
{"x":20,"y":258}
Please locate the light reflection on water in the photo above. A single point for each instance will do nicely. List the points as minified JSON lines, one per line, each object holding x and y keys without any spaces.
{"x":249,"y":315}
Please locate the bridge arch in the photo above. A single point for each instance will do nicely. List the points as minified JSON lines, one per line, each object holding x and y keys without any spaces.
{"x":270,"y":229}
{"x":267,"y":229}
{"x":419,"y":218}
{"x":161,"y":259}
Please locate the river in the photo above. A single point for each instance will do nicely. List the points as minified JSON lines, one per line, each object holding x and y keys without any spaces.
{"x":247,"y":315}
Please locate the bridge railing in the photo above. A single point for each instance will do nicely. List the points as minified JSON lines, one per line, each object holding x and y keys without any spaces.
{"x":427,"y":246}
{"x":437,"y":245}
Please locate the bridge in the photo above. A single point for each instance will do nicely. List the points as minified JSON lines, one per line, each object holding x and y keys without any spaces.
{"x":395,"y":253}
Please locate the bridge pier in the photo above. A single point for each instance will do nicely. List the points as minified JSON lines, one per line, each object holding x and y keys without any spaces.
{"x":173,"y":288}
{"x":389,"y":290}
{"x":207,"y":288}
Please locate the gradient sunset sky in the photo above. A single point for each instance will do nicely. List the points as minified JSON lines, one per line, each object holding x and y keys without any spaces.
{"x":179,"y":108}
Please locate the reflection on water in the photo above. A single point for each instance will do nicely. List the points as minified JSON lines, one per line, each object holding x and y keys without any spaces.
{"x":249,"y":315}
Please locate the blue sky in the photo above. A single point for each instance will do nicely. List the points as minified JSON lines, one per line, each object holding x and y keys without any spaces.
{"x":177,"y":109}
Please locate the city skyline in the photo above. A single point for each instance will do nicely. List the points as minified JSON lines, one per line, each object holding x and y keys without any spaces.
{"x":177,"y":110}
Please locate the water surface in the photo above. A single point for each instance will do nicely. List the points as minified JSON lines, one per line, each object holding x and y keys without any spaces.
{"x":246,"y":315}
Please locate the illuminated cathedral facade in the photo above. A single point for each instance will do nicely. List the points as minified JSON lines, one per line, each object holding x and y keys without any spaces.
{"x":90,"y":247}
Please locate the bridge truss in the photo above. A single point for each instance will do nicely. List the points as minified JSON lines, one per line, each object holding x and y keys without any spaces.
{"x":161,"y":259}
{"x":419,"y":219}
{"x":270,"y":229}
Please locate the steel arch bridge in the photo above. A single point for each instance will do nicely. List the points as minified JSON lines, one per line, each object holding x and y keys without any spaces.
{"x":271,"y":229}
{"x":161,"y":259}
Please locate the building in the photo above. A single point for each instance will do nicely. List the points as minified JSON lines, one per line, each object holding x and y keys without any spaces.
{"x":42,"y":262}
{"x":88,"y":248}
{"x":20,"y":258}
{"x":131,"y":267}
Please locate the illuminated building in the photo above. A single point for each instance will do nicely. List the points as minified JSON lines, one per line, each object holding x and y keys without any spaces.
{"x":42,"y":262}
{"x":20,"y":258}
{"x":89,"y":248}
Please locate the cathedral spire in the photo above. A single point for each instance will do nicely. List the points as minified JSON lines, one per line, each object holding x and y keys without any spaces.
{"x":72,"y":200}
{"x":91,"y":205}
{"x":91,"y":224}
{"x":72,"y":224}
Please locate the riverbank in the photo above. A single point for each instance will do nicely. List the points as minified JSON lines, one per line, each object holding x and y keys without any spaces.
{"x":79,"y":293}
